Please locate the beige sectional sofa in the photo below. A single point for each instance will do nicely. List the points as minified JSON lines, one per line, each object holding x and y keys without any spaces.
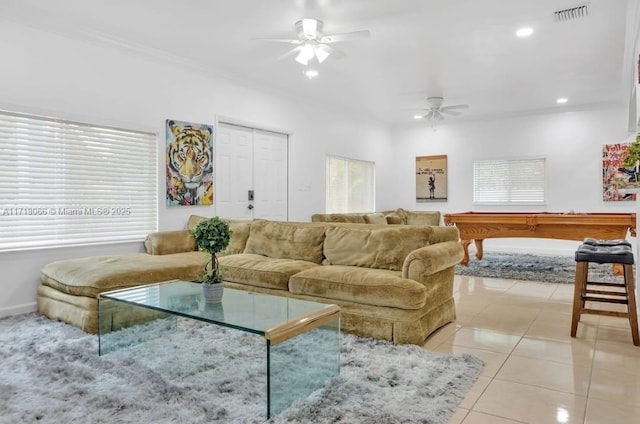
{"x":391,"y":282}
{"x":398,"y":216}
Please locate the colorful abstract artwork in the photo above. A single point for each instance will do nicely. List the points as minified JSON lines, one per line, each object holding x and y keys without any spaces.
{"x":189,"y":163}
{"x":616,"y":177}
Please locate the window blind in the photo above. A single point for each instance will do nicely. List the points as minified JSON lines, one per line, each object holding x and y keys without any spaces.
{"x":350,"y":185}
{"x":65,"y":183}
{"x":509,"y":181}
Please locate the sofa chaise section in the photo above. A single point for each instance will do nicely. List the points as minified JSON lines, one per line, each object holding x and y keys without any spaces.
{"x":69,"y":288}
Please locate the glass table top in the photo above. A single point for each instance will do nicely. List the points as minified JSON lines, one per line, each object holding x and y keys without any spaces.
{"x":239,"y":309}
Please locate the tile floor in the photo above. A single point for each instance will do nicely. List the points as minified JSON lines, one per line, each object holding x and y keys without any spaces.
{"x":535,"y":372}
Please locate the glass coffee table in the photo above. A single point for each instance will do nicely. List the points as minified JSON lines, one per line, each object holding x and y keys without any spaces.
{"x":284,"y":323}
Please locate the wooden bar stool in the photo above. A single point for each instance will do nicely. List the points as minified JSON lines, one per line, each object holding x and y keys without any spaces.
{"x":605,"y":252}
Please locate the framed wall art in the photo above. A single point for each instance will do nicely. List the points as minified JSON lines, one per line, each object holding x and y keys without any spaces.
{"x":189,"y":163}
{"x":431,"y":178}
{"x":616,"y":174}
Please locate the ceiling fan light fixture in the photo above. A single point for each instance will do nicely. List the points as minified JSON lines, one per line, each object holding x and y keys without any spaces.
{"x":435,"y":102}
{"x":306,"y":54}
{"x":321,"y":53}
{"x":301,"y":59}
{"x":311,"y":49}
{"x":310,"y":28}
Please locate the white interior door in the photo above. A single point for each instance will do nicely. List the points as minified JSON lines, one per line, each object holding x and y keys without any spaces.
{"x":251,"y":173}
{"x":270,"y":175}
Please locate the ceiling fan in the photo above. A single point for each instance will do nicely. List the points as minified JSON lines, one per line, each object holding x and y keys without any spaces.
{"x":313,"y":45}
{"x":436,"y":112}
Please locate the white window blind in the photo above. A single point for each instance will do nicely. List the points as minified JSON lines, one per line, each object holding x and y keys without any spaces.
{"x":350,"y":185}
{"x":509,"y":181}
{"x":64,"y":183}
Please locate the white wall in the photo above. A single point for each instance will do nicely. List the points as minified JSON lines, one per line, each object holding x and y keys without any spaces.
{"x":571,"y":141}
{"x":52,"y":75}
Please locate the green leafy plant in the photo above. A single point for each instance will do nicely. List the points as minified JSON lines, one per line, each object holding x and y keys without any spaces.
{"x":212,"y":236}
{"x":632,"y":156}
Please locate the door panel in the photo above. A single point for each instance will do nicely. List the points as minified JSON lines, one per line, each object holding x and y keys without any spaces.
{"x":249,"y":159}
{"x":270,"y":175}
{"x":234,"y":157}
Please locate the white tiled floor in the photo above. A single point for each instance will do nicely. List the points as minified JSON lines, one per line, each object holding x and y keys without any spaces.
{"x":535,"y":372}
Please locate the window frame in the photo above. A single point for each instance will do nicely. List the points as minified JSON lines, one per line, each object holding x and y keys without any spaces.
{"x":513,"y":179}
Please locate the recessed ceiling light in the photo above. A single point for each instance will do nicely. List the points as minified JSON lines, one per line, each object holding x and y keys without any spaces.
{"x":562,"y":100}
{"x":524,"y":32}
{"x":418,"y":116}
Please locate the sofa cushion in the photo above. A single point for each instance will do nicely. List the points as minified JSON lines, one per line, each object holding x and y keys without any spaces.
{"x":261,"y":271}
{"x":394,"y":218}
{"x":360,"y":285}
{"x":287,"y":240}
{"x":354,"y":218}
{"x":375,"y":218}
{"x":169,"y":242}
{"x":373,"y":246}
{"x":93,"y":275}
{"x":422,"y":217}
{"x":239,"y":236}
{"x":319,"y":217}
{"x":351,"y":218}
{"x":194,"y":220}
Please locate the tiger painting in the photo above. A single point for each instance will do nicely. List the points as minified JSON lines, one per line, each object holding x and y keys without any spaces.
{"x":189,"y":163}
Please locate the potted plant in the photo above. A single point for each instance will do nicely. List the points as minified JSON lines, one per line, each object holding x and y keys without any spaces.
{"x":631,"y":162}
{"x":212,"y":236}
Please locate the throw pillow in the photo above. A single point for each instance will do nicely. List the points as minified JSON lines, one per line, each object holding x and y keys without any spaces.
{"x":393,"y":218}
{"x":375,"y":218}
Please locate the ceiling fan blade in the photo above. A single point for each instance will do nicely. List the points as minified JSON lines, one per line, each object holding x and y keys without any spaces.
{"x":455,"y":107}
{"x":334,"y":38}
{"x":290,"y":53}
{"x":278,"y":40}
{"x":332,"y":51}
{"x":428,"y":115}
{"x":451,"y":112}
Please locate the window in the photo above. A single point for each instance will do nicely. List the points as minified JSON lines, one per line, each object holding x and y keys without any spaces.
{"x":509,"y":181}
{"x":65,"y":183}
{"x":350,"y":185}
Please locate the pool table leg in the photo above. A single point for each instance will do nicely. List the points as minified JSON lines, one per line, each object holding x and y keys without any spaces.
{"x":479,"y":251}
{"x":465,"y":247}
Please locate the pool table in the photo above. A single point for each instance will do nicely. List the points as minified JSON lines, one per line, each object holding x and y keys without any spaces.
{"x":478,"y":226}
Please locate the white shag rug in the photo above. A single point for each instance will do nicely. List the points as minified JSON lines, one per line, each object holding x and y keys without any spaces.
{"x":50,"y":372}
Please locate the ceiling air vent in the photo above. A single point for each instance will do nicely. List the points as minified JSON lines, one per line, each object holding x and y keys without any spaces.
{"x":571,"y":13}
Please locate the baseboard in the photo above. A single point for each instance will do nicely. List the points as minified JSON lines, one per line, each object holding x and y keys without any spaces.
{"x":18,"y":309}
